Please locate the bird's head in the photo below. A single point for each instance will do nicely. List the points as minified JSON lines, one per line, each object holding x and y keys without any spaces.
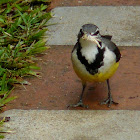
{"x":90,"y":32}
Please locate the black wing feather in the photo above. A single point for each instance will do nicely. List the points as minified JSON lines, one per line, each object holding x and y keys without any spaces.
{"x":112,"y":46}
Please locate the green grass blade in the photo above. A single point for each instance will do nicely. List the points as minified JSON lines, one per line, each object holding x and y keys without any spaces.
{"x":4,"y":84}
{"x":23,"y":17}
{"x":1,"y":137}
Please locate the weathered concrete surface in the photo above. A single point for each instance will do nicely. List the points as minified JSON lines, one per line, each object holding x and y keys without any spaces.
{"x":122,"y":22}
{"x":73,"y":125}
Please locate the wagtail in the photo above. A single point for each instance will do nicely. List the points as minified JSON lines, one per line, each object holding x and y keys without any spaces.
{"x":95,"y":58}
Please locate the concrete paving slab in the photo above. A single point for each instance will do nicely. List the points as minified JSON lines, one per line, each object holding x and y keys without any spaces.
{"x":121,"y":21}
{"x":73,"y":125}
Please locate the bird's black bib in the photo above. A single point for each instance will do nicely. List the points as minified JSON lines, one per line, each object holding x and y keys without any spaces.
{"x":93,"y":67}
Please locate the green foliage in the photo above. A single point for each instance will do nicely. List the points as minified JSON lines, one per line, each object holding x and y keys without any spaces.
{"x":1,"y":125}
{"x":22,"y":27}
{"x":4,"y":129}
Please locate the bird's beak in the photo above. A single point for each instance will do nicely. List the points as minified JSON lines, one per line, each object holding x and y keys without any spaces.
{"x":92,"y":38}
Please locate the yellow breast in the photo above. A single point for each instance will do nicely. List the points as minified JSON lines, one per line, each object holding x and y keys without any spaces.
{"x":99,"y":77}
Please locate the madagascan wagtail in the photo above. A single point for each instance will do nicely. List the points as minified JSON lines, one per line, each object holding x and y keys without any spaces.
{"x":95,"y":58}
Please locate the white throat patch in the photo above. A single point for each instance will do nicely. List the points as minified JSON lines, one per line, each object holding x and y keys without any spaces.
{"x":89,"y":50}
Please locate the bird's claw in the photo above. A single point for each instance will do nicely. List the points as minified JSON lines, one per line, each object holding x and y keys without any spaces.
{"x":109,"y":101}
{"x":79,"y":104}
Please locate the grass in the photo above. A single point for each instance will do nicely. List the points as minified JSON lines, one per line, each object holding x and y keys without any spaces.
{"x":1,"y":128}
{"x":22,"y":27}
{"x":4,"y":129}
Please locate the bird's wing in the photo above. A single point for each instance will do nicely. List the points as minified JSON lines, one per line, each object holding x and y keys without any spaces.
{"x":117,"y":53}
{"x":107,"y":36}
{"x":112,"y":46}
{"x":75,"y":46}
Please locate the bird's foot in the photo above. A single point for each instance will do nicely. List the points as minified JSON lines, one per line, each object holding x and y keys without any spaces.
{"x":79,"y":104}
{"x":109,"y":101}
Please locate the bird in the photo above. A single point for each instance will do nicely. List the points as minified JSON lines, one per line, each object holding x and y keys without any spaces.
{"x":95,"y":58}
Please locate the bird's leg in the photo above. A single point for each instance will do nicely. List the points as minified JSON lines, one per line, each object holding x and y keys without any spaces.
{"x":109,"y":101}
{"x":80,"y":103}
